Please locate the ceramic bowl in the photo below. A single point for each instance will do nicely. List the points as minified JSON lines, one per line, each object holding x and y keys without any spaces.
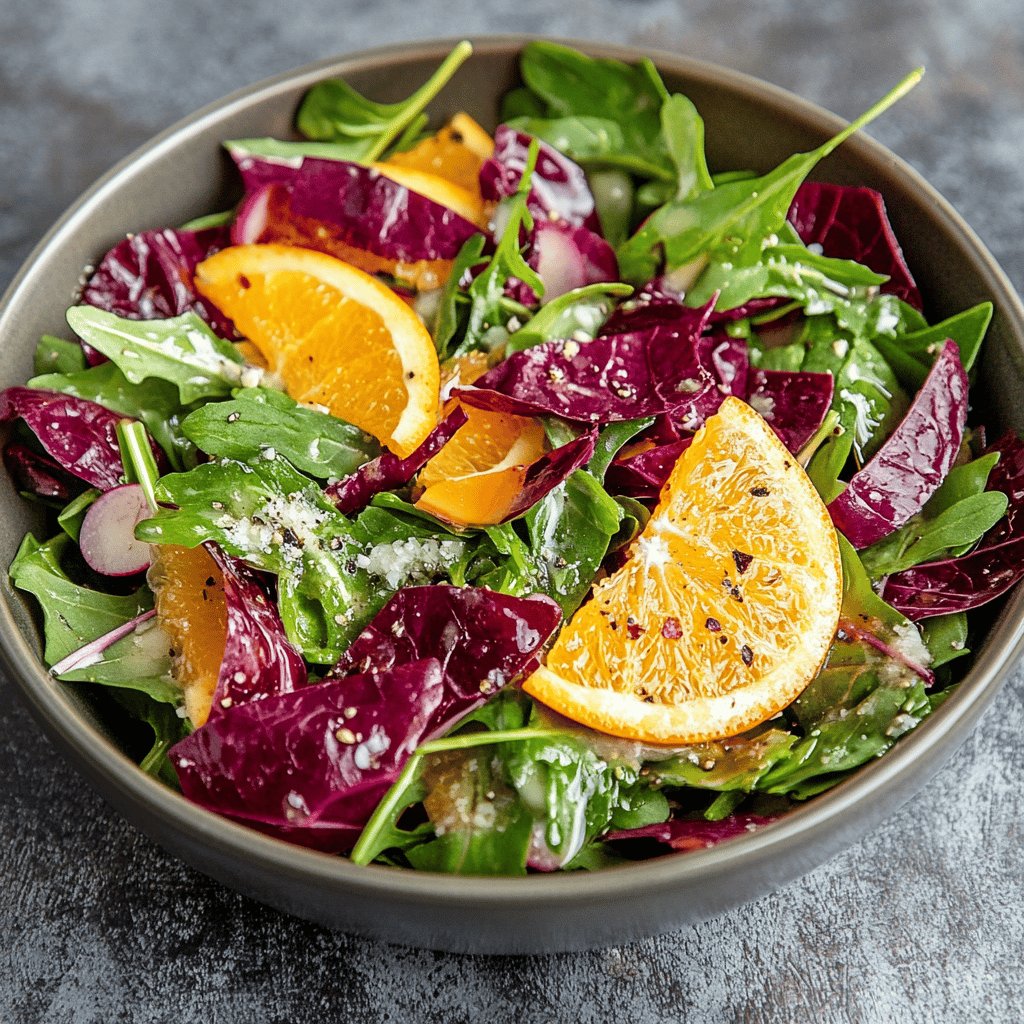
{"x":183,"y":173}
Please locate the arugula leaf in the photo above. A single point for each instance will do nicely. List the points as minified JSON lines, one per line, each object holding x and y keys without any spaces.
{"x":72,"y":615}
{"x":139,"y":661}
{"x":489,"y":309}
{"x":578,"y":314}
{"x":730,"y":222}
{"x":447,"y":318}
{"x":153,"y":401}
{"x":597,"y":109}
{"x":257,"y":419}
{"x":735,"y":764}
{"x":945,"y":636}
{"x":614,"y":196}
{"x":827,"y":463}
{"x":683,"y":131}
{"x":952,"y":521}
{"x":912,"y":353}
{"x":181,"y":349}
{"x":71,"y":516}
{"x":55,"y":355}
{"x":611,"y":439}
{"x":570,"y":530}
{"x":166,"y":728}
{"x":360,"y":129}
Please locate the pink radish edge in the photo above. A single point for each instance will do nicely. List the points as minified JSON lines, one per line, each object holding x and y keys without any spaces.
{"x":93,"y":651}
{"x":107,"y":537}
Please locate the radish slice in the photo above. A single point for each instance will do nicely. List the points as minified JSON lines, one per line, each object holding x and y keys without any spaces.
{"x":108,"y":539}
{"x":251,"y":219}
{"x":569,"y":257}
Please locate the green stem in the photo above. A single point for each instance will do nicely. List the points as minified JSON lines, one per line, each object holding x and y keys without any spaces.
{"x":421,"y":97}
{"x":137,"y":458}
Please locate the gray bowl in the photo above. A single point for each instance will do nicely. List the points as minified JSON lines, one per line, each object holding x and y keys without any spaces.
{"x":183,"y":173}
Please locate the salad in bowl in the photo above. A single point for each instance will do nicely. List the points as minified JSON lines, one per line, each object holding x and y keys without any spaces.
{"x":532,"y":500}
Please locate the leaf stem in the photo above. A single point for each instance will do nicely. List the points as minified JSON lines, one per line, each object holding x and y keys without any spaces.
{"x":137,"y":458}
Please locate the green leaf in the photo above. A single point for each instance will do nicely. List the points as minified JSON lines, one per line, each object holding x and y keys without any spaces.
{"x":155,"y":402}
{"x":208,"y":220}
{"x":683,"y":131}
{"x":182,"y":350}
{"x":447,"y":319}
{"x":724,"y":765}
{"x":72,"y":615}
{"x":361,"y":129}
{"x":730,"y":222}
{"x":139,"y":661}
{"x":912,"y":353}
{"x":945,"y":636}
{"x":257,"y":419}
{"x":570,"y":530}
{"x":55,"y":355}
{"x":860,"y":602}
{"x":610,"y":441}
{"x":961,"y":482}
{"x":614,"y":195}
{"x":71,"y":516}
{"x":627,"y":99}
{"x":827,"y":463}
{"x":577,"y":315}
{"x":166,"y":729}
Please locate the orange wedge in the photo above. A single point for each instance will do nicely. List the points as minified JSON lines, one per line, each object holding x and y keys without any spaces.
{"x":189,"y":594}
{"x":335,"y":335}
{"x":725,"y":608}
{"x":474,"y":479}
{"x":456,"y":153}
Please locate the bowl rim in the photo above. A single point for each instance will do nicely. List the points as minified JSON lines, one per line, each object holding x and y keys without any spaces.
{"x":797,"y":830}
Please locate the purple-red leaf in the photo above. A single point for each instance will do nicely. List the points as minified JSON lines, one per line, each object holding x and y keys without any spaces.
{"x":322,"y":204}
{"x":36,"y":473}
{"x":258,"y":661}
{"x":558,"y":187}
{"x":79,"y":435}
{"x":310,"y":766}
{"x":483,"y":640}
{"x":544,"y":475}
{"x":693,"y":834}
{"x":614,"y":377}
{"x":794,"y":403}
{"x":642,"y":476}
{"x":850,"y":223}
{"x":388,"y":471}
{"x":149,"y":276}
{"x":974,"y":579}
{"x":915,"y":459}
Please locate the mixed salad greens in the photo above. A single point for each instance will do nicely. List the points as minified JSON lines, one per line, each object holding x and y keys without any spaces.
{"x":366,"y":702}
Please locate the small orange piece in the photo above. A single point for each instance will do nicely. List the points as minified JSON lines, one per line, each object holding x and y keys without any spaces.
{"x":463,"y":201}
{"x":335,"y":335}
{"x":725,"y":608}
{"x":474,"y":479}
{"x":188,"y":588}
{"x":456,"y":152}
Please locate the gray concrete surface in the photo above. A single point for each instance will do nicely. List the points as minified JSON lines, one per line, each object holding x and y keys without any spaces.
{"x":922,"y":921}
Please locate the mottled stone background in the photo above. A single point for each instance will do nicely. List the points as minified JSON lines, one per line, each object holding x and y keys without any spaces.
{"x":922,"y":921}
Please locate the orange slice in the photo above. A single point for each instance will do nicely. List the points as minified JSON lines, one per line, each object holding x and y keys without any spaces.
{"x":335,"y":335}
{"x":456,"y":153}
{"x":474,"y":479}
{"x":189,"y":594}
{"x":725,"y":607}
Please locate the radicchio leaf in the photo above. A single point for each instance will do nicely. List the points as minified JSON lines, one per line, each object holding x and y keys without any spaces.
{"x":567,"y":257}
{"x":974,"y":579}
{"x":913,"y":461}
{"x":643,"y":475}
{"x":694,"y":834}
{"x":482,"y":639}
{"x":79,"y":435}
{"x":36,"y":473}
{"x":558,"y":187}
{"x":614,"y":377}
{"x":794,"y":403}
{"x":258,"y":661}
{"x":851,"y":223}
{"x":388,"y":471}
{"x":149,"y":276}
{"x":343,"y":743}
{"x":336,"y":207}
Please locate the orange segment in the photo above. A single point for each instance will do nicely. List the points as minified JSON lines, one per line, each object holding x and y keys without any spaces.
{"x":336,"y":336}
{"x":476,"y":476}
{"x":189,"y":593}
{"x":725,"y":608}
{"x":465,"y":370}
{"x":456,"y":153}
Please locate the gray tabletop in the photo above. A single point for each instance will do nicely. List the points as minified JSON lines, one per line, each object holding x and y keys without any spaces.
{"x":922,"y":921}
